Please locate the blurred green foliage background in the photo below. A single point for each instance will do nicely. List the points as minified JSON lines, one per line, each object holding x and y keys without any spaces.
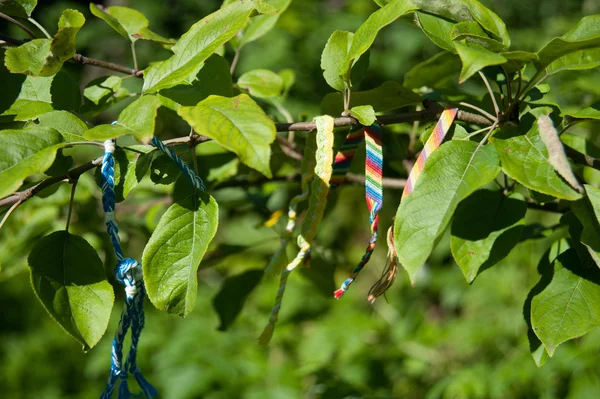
{"x":440,"y":339}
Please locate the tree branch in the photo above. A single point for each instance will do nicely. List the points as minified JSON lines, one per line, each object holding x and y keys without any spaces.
{"x":81,"y":59}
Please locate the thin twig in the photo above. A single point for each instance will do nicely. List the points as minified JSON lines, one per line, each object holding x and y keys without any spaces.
{"x":20,"y":25}
{"x":478,"y":109}
{"x":71,"y":202}
{"x":135,"y":64}
{"x":475,"y":133}
{"x":489,"y":88}
{"x":12,"y":208}
{"x":235,"y":60}
{"x":40,"y":27}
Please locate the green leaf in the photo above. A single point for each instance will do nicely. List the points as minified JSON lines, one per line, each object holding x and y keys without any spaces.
{"x":69,"y":280}
{"x":451,"y":173}
{"x":33,"y":100}
{"x":261,"y":24}
{"x":438,"y":30}
{"x":261,"y":83}
{"x":24,"y":153}
{"x":474,"y":58}
{"x":487,"y":226}
{"x":224,"y":172}
{"x":109,"y":19}
{"x":66,"y":123}
{"x":365,"y":35}
{"x":524,"y":157}
{"x":334,"y":60}
{"x":568,"y":307}
{"x":213,"y":78}
{"x":590,"y":113}
{"x":129,"y":23}
{"x":18,"y":8}
{"x":388,"y":96}
{"x":587,"y":211}
{"x":138,"y":119}
{"x":103,"y":91}
{"x":233,"y":294}
{"x":174,"y":251}
{"x":472,"y":33}
{"x":467,"y":10}
{"x":556,"y":152}
{"x":517,"y":60}
{"x":364,"y":113}
{"x":196,"y":45}
{"x":434,"y":71}
{"x":45,"y":57}
{"x":238,"y":124}
{"x":576,"y":49}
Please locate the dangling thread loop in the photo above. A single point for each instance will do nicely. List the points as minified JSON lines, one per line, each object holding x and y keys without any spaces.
{"x":128,"y":272}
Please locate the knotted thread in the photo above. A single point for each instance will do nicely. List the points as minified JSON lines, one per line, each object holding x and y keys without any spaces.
{"x":187,"y":171}
{"x":129,"y":273}
{"x":374,"y":197}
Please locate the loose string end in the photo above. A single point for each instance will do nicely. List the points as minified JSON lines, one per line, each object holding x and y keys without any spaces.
{"x":266,"y":335}
{"x":148,"y":390}
{"x":124,"y":390}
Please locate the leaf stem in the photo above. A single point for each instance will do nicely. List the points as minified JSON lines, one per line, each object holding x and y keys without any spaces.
{"x":20,"y":25}
{"x":40,"y":27}
{"x":12,"y":208}
{"x":135,"y":63}
{"x":235,"y":60}
{"x":489,"y":88}
{"x":475,"y":133}
{"x":71,"y":201}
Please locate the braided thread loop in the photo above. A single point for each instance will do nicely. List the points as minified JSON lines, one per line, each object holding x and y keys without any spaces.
{"x":129,"y":273}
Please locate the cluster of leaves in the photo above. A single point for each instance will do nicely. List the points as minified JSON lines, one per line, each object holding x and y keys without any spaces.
{"x":479,"y":189}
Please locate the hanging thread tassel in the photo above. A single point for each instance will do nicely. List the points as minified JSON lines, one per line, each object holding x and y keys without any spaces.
{"x":318,"y":199}
{"x":373,"y":195}
{"x":129,"y":273}
{"x":389,"y":272}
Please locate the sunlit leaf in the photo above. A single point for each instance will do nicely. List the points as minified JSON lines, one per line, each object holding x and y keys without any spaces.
{"x":334,"y":60}
{"x":474,"y":58}
{"x":138,"y":119}
{"x":174,"y":251}
{"x":196,"y":45}
{"x":129,"y":23}
{"x":364,"y":113}
{"x":45,"y":57}
{"x":576,"y":49}
{"x":238,"y":124}
{"x":261,"y":83}
{"x":25,"y":152}
{"x":524,"y":157}
{"x":66,"y":123}
{"x":18,"y":8}
{"x":451,"y":173}
{"x":69,"y":280}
